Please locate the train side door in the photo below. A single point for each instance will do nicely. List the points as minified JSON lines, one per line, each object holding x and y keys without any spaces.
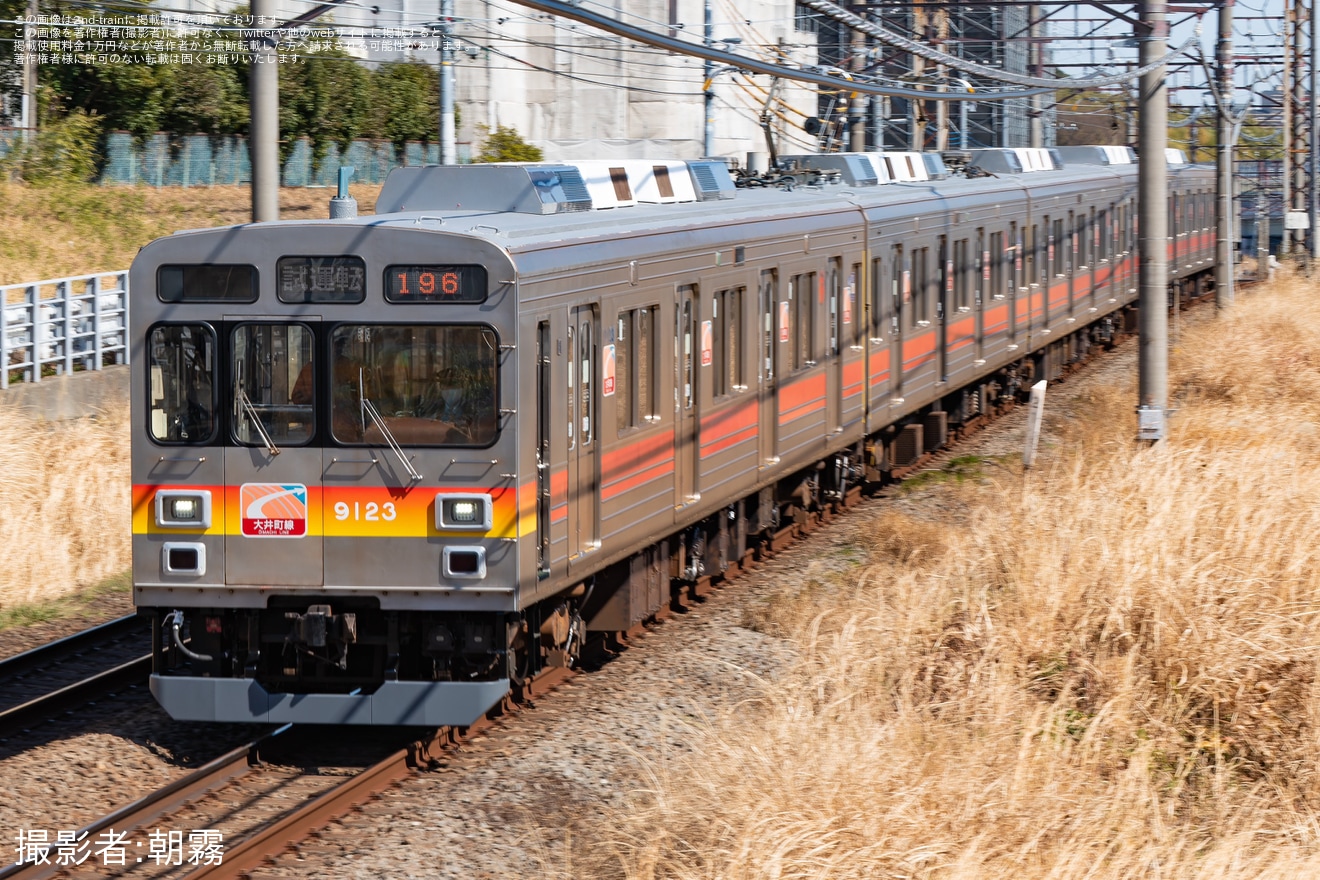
{"x":686,"y":443}
{"x":545,"y":401}
{"x":583,"y":475}
{"x":767,"y":369}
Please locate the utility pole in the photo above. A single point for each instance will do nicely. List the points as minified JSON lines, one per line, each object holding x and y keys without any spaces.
{"x":1035,"y":63}
{"x":1315,"y":137}
{"x":29,"y":108}
{"x":1285,"y":160}
{"x":917,"y":140}
{"x":447,"y":150}
{"x":942,"y":74}
{"x":708,"y":93}
{"x":1298,"y":151}
{"x":1152,"y":34}
{"x":858,"y":103}
{"x":264,"y":134}
{"x":1224,"y":219}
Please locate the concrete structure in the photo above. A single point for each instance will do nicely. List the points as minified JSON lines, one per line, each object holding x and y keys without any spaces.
{"x":578,"y":93}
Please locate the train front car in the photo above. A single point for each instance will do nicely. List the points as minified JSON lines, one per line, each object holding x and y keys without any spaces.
{"x":324,"y":485}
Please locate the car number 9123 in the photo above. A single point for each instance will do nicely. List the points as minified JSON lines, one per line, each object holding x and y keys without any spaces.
{"x":369,"y":512}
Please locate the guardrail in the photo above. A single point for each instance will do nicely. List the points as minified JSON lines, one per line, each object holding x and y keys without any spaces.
{"x":56,"y":326}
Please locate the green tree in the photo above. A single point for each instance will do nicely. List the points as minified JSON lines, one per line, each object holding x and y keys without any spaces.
{"x":1087,"y":118}
{"x":326,"y":97}
{"x":64,"y":149}
{"x":506,"y":145}
{"x":125,"y":97}
{"x":203,"y":99}
{"x":407,"y":103}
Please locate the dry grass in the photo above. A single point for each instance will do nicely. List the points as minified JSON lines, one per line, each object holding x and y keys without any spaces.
{"x":64,"y":487}
{"x":64,"y":504}
{"x":53,"y":231}
{"x":1107,"y":668}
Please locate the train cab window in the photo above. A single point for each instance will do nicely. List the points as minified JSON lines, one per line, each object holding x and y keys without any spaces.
{"x":418,"y":385}
{"x":213,"y":283}
{"x":181,"y":383}
{"x":274,"y":381}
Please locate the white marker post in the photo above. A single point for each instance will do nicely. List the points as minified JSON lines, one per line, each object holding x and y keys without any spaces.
{"x":1034,"y":416}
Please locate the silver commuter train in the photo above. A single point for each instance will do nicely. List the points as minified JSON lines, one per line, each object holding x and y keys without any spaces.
{"x":387,"y":468}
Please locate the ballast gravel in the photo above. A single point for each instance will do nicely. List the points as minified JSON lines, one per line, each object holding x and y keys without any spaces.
{"x":581,"y":747}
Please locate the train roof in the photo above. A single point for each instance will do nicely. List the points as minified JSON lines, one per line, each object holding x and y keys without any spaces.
{"x":530,"y":206}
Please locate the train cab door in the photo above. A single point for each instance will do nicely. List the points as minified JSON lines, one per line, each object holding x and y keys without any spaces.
{"x":767,"y":369}
{"x":686,"y":442}
{"x":583,"y":474}
{"x":274,"y":533}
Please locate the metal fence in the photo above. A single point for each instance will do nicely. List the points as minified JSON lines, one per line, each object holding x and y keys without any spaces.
{"x":61,"y":325}
{"x":206,"y":160}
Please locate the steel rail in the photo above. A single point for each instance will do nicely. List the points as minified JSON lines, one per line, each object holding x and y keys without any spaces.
{"x":20,"y":664}
{"x":26,"y":714}
{"x":179,"y":793}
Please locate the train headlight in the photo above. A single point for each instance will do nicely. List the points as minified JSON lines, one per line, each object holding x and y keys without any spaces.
{"x":466,"y":512}
{"x":183,"y":509}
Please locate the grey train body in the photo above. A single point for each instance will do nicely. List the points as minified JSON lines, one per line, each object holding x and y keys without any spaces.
{"x":387,"y":468}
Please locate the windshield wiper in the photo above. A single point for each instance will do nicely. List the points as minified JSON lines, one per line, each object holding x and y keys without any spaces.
{"x":369,"y":411}
{"x":252,"y":414}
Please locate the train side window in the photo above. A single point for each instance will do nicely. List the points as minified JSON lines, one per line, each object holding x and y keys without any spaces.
{"x":919,"y":293}
{"x":686,"y":334}
{"x":834,"y":304}
{"x":181,"y":383}
{"x":625,"y":416}
{"x":733,"y":340}
{"x":274,"y":384}
{"x":644,"y":367}
{"x":852,"y":307}
{"x":769,"y":297}
{"x":420,"y":384}
{"x":572,"y":389}
{"x":962,"y":272}
{"x":804,"y":316}
{"x":719,"y":378}
{"x":635,"y":393}
{"x":995,"y":265}
{"x":587,"y":356}
{"x":877,"y":299}
{"x":900,"y":287}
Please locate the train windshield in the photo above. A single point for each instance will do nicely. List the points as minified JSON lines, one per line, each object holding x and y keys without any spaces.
{"x":181,"y":383}
{"x":273,"y":382}
{"x":432,"y":385}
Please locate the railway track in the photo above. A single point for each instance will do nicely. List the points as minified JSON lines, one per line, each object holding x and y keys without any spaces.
{"x":249,"y":805}
{"x":253,"y":838}
{"x":94,"y":664}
